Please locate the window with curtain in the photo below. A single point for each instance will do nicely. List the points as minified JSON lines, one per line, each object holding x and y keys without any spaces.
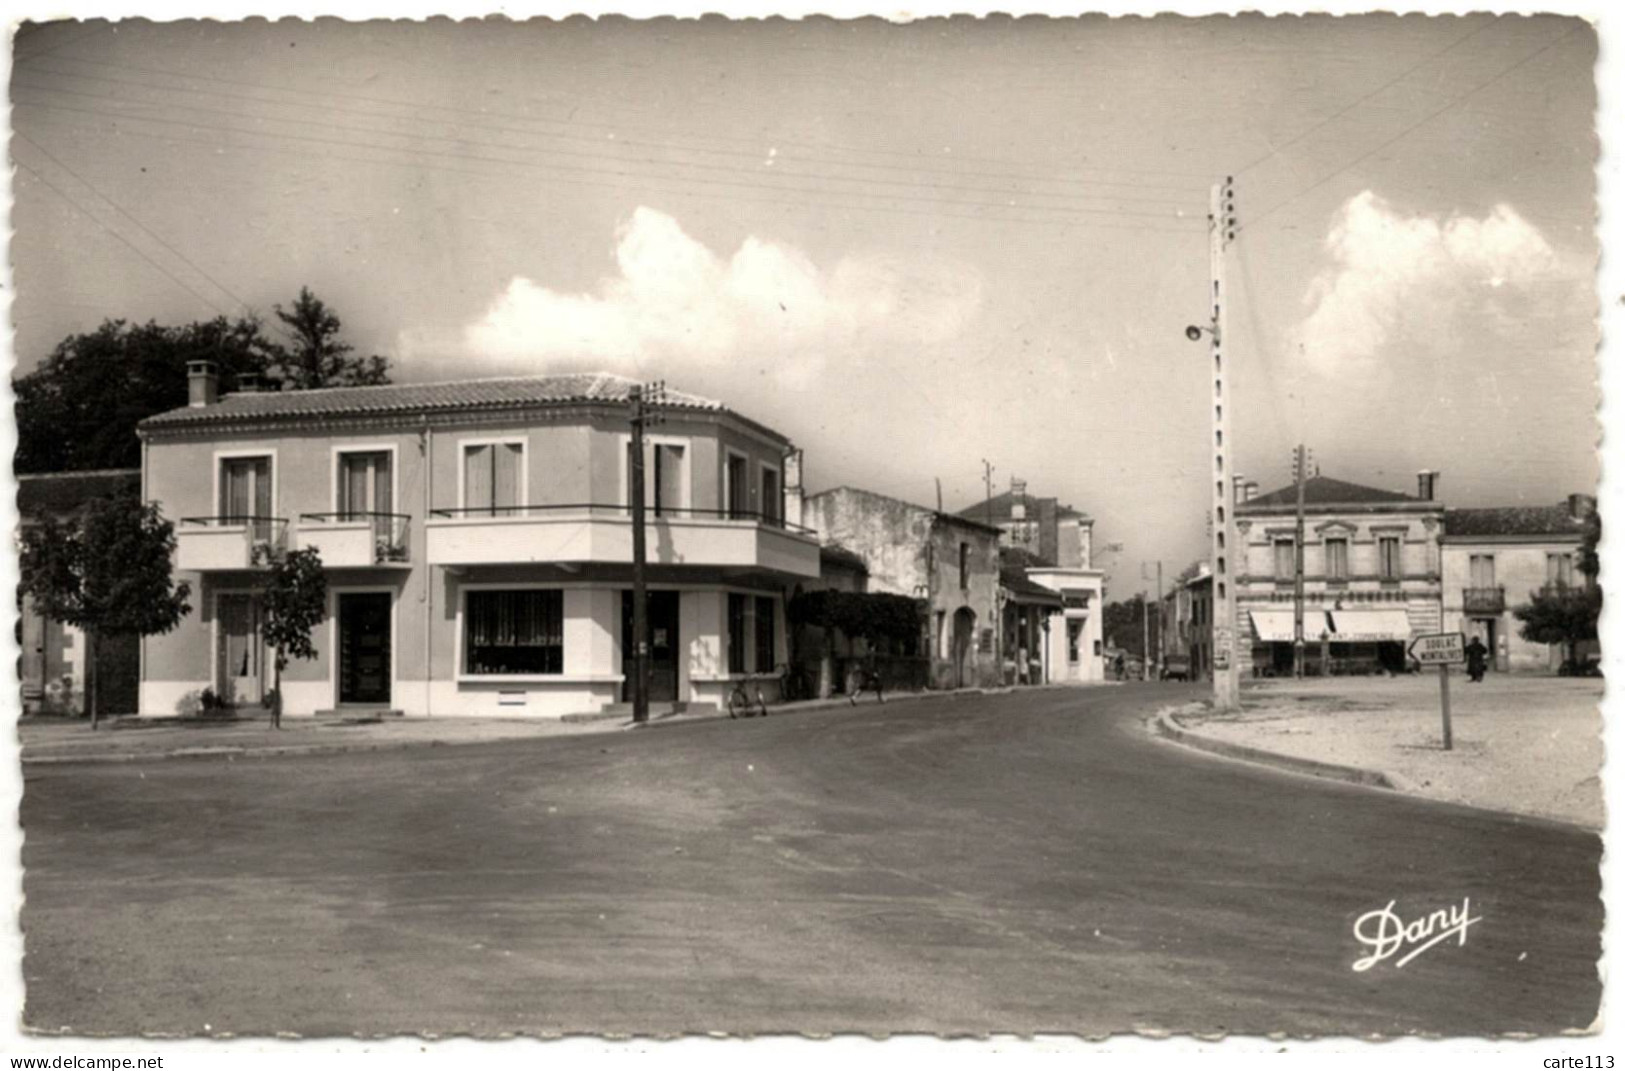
{"x":766,"y":647}
{"x":1481,"y":570}
{"x":1337,"y":559}
{"x":245,"y":488}
{"x":736,"y":633}
{"x":364,"y":484}
{"x":509,"y":632}
{"x":1389,"y":564}
{"x":491,"y":477}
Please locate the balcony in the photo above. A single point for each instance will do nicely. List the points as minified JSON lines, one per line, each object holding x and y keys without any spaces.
{"x":351,"y":540}
{"x":507,"y":535}
{"x":212,"y":544}
{"x":1483,"y":600}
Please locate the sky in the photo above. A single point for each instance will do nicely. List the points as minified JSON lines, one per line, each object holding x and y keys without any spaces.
{"x":914,"y":249}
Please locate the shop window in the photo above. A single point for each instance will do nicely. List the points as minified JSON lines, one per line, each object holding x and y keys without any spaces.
{"x":736,"y":633}
{"x":766,"y":646}
{"x":513,"y":632}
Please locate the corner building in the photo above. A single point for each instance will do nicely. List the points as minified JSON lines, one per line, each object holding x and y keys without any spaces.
{"x":477,"y":542}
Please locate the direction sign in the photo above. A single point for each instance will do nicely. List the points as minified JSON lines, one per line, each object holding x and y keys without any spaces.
{"x":1439,"y":649}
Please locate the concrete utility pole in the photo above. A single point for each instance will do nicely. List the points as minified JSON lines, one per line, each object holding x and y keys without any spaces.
{"x":1221,"y":224}
{"x":640,"y":416}
{"x":987,"y":481}
{"x":1300,"y":471}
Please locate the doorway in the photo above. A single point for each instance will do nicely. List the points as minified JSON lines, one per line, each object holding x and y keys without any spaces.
{"x":964,"y":644}
{"x":240,"y":650}
{"x":663,"y":647}
{"x":364,"y":647}
{"x":1484,"y":628}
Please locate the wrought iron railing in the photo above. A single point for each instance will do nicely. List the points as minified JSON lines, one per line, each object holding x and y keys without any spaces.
{"x":390,"y":531}
{"x":1483,"y":600}
{"x":652,"y":514}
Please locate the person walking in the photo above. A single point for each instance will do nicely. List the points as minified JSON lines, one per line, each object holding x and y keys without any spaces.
{"x":1477,"y":660}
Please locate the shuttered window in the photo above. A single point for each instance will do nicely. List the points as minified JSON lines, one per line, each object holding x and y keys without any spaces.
{"x":491,"y":477}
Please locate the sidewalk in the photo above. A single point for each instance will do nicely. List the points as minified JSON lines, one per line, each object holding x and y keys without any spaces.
{"x":1527,"y":745}
{"x":62,"y":741}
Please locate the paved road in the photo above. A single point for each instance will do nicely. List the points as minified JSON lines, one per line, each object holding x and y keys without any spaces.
{"x":1028,"y":863}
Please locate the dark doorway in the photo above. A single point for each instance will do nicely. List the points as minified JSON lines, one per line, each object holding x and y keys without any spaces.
{"x":964,"y":645}
{"x":663,"y":648}
{"x":364,"y":647}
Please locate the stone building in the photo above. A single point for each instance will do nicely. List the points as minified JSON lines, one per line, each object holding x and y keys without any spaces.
{"x":950,"y":564}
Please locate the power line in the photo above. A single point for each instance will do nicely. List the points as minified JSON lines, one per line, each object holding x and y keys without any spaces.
{"x":460,"y":140}
{"x":635,"y":183}
{"x":132,"y":246}
{"x":814,"y":191}
{"x":1420,"y":122}
{"x":144,"y":228}
{"x":1277,"y":150}
{"x":418,"y":108}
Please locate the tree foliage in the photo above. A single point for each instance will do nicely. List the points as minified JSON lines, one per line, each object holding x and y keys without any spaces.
{"x":107,"y":570}
{"x":872,"y":616}
{"x":1125,"y":626}
{"x":1561,"y":615}
{"x":315,"y":356}
{"x":78,"y":410}
{"x":294,"y":603}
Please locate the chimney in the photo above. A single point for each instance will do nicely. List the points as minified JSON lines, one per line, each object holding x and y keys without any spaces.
{"x":1237,"y":490}
{"x":794,"y":493}
{"x":1018,"y":499}
{"x":1427,"y":482}
{"x":249,"y":383}
{"x":1582,"y":506}
{"x":1249,"y":490}
{"x":202,"y":383}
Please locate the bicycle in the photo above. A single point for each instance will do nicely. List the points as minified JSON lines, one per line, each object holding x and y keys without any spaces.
{"x":741,"y":702}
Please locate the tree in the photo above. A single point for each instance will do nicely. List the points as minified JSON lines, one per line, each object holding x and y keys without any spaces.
{"x":1563,"y":614}
{"x":1125,"y":624}
{"x":294,"y":603}
{"x":315,"y":356}
{"x":105,"y":571}
{"x":78,"y":410}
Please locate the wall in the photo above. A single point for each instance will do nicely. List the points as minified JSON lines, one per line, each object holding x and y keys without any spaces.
{"x":1520,"y":569}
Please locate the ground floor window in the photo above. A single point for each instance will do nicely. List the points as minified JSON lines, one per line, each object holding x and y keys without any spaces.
{"x":513,"y":632}
{"x":753,"y":641}
{"x":766,"y":640}
{"x":736,"y":633}
{"x":1074,"y":640}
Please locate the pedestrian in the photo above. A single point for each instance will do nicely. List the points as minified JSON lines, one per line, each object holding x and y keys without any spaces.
{"x":1477,"y":660}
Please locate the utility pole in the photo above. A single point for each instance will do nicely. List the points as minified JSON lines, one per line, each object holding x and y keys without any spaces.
{"x":640,"y":416}
{"x":1162,"y":624}
{"x":987,"y":480}
{"x":1300,"y":472}
{"x":1221,"y":224}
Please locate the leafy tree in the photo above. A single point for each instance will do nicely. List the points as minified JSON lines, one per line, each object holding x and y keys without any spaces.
{"x":78,"y":410}
{"x":1124,"y":624}
{"x":315,"y":356}
{"x":106,"y":571}
{"x":1567,"y":615}
{"x":295,"y":602}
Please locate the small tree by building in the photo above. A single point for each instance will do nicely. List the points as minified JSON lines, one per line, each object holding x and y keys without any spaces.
{"x":1565,"y":615}
{"x":106,"y":571}
{"x":294,"y":603}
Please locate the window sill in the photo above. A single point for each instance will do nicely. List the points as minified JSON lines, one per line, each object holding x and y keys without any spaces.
{"x":540,"y":678}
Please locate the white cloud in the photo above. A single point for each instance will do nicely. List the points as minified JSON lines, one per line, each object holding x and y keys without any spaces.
{"x":673,"y":304}
{"x":1400,"y":287}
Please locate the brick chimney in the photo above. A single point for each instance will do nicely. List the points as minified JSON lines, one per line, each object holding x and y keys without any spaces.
{"x":250,"y":383}
{"x":1249,"y":490}
{"x":1582,"y":506}
{"x":1049,"y":531}
{"x":202,"y":383}
{"x":1427,"y":482}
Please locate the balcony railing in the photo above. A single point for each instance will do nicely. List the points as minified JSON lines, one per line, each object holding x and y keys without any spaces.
{"x":609,"y":511}
{"x":358,"y":537}
{"x":1483,"y":600}
{"x":232,"y":541}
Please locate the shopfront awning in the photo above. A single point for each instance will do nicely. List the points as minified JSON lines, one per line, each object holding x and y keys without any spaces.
{"x":1370,"y":626}
{"x":1276,"y":626}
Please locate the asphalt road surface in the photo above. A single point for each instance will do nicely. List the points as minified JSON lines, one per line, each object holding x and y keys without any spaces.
{"x":1027,"y":863}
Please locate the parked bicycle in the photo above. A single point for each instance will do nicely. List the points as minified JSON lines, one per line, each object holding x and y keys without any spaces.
{"x":745,"y":700}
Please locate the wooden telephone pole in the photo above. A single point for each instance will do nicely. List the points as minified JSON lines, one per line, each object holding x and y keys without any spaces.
{"x":1300,"y":472}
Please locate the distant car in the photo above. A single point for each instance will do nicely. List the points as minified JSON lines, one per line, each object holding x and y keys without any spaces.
{"x":1176,"y":668}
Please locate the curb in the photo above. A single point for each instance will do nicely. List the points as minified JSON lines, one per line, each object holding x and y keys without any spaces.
{"x":1165,"y":725}
{"x":263,"y":752}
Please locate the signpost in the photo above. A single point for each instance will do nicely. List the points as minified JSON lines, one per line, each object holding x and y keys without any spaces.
{"x":1442,"y":649}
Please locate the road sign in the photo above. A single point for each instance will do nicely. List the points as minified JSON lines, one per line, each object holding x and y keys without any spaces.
{"x":1439,"y":649}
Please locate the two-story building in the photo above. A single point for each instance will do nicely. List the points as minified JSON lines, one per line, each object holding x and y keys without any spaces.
{"x":477,"y":543}
{"x":1495,"y":559}
{"x":1372,"y":574}
{"x":1050,"y":545}
{"x":948,"y":563}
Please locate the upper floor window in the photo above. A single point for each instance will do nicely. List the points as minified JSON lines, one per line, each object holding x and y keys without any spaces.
{"x":1389,"y":565}
{"x":1481,"y":570}
{"x":1560,"y":570}
{"x":1286,"y":561}
{"x":665,"y":476}
{"x":772,"y":498}
{"x":245,"y":489}
{"x":365,"y":483}
{"x":1337,"y":559}
{"x":492,"y":476}
{"x":736,"y":486}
